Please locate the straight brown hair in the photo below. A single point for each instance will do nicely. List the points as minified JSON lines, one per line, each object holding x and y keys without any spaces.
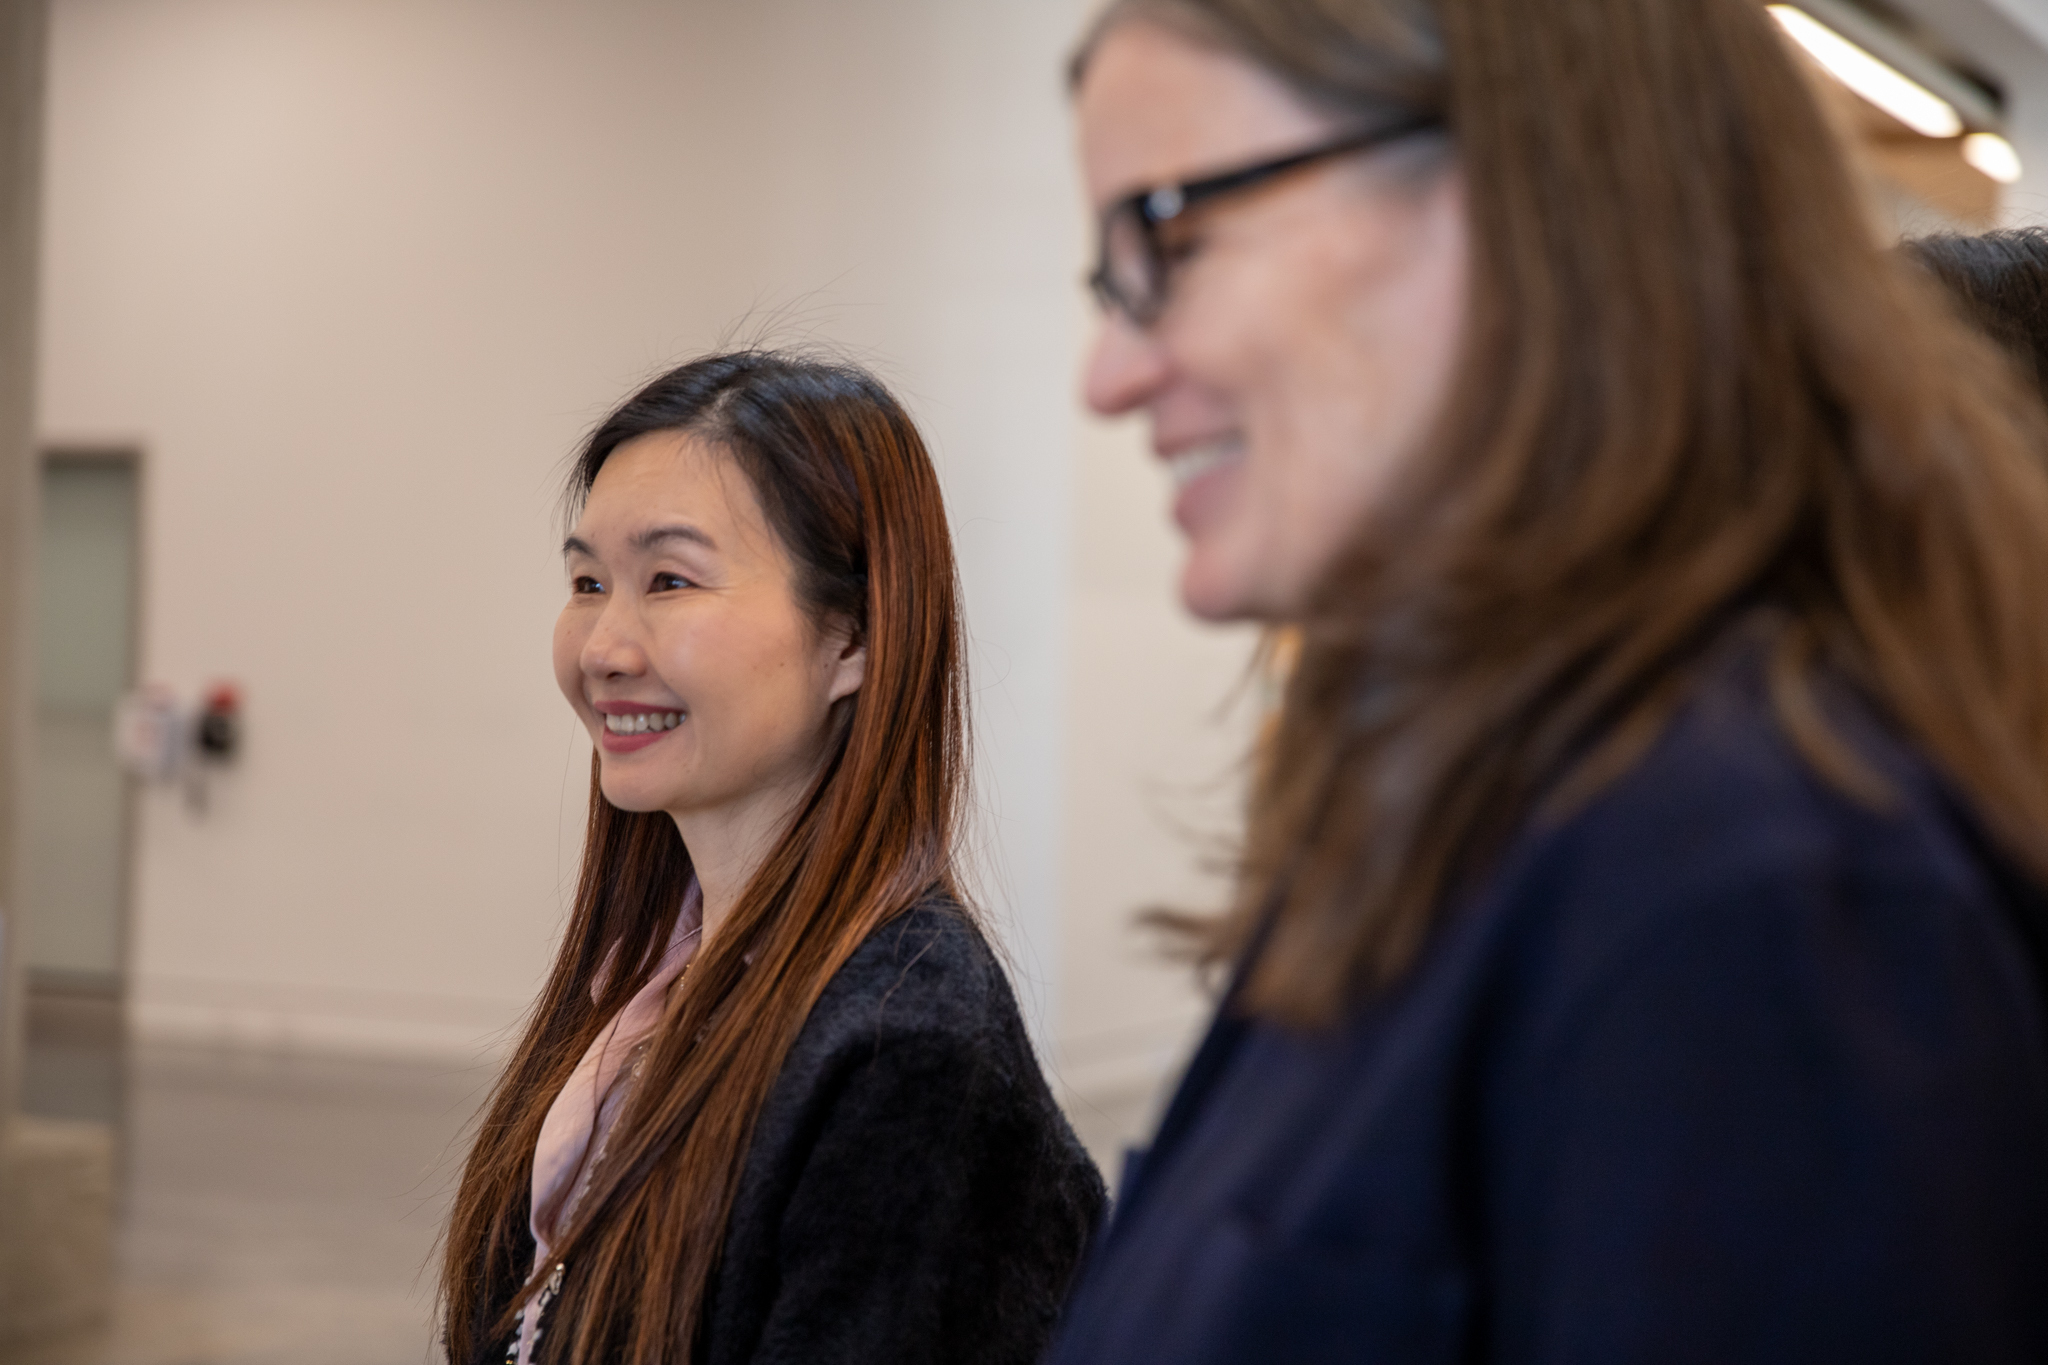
{"x":846,"y":482}
{"x":1693,"y":392}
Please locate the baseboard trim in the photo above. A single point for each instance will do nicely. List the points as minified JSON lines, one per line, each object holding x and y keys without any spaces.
{"x":1107,"y":1067}
{"x":244,"y":1017}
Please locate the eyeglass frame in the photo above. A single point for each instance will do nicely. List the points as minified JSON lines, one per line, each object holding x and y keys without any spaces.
{"x":1163,"y":203}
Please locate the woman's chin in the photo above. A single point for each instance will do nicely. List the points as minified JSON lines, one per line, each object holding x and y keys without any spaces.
{"x":1213,"y":589}
{"x":632,"y":798}
{"x":1266,"y":580}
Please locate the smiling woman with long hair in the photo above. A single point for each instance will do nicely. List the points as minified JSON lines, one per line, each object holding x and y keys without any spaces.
{"x":775,"y":1103}
{"x":1638,"y":952}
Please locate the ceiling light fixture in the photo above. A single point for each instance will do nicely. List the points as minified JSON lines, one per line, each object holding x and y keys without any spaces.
{"x":1993,"y":155}
{"x":1905,"y":99}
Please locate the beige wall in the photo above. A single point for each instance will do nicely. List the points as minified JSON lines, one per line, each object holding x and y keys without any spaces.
{"x":1158,"y":725}
{"x":354,"y":276}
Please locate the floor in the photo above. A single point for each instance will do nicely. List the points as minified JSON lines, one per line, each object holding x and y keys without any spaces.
{"x":274,"y":1210}
{"x":284,"y":1211}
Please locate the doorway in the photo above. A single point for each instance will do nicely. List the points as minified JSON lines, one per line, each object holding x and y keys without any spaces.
{"x":80,"y":811}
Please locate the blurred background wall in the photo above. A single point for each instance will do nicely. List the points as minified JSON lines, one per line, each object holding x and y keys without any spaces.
{"x":349,"y":278}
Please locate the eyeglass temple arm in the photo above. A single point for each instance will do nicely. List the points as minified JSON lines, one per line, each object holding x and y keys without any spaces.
{"x":1170,"y":201}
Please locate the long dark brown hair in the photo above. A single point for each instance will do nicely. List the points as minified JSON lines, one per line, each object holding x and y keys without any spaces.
{"x":846,"y":483}
{"x":1693,"y":390}
{"x":2000,"y":282}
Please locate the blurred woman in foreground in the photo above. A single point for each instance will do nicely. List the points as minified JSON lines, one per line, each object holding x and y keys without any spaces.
{"x":775,"y":1103}
{"x":1637,"y":943}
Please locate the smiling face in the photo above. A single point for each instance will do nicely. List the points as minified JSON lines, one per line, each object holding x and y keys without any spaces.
{"x":1312,"y":323}
{"x":684,"y":648}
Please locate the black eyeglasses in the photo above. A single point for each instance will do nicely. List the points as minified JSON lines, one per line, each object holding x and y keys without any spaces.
{"x":1130,"y":275}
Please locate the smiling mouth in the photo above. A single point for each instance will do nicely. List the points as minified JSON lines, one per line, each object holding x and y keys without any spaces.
{"x":646,"y":722}
{"x":1191,"y":464}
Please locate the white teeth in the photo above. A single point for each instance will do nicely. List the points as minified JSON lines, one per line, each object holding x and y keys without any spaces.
{"x":1193,"y":463}
{"x":643,"y":722}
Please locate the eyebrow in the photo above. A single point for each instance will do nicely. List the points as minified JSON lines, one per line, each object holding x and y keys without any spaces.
{"x":648,"y":539}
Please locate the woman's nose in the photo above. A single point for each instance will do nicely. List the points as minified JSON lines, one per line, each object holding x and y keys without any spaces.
{"x":613,"y":648}
{"x":1126,"y":368}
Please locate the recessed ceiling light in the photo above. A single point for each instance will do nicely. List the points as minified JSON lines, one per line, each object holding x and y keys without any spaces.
{"x":1993,"y":155}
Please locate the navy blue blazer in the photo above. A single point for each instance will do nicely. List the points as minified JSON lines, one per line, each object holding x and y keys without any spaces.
{"x":1723,"y":1068}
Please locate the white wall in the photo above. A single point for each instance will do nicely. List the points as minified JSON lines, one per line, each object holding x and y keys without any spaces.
{"x":354,"y":275}
{"x":1159,"y":723}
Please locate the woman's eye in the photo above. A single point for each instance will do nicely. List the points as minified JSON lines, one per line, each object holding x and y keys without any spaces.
{"x":583,"y":585}
{"x":1177,"y":248}
{"x":668,"y":582}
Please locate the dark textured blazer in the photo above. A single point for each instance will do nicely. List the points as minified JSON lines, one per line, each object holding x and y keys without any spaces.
{"x":1725,"y":1068}
{"x":913,"y":1193}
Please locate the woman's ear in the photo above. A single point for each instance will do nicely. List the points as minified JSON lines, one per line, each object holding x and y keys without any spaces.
{"x":846,"y":655}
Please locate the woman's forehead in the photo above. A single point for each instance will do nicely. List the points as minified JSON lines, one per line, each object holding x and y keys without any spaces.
{"x":668,"y":479}
{"x":1156,"y":106}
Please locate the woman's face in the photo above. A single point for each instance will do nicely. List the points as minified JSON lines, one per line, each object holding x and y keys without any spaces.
{"x":1312,"y":323}
{"x":683,"y":647}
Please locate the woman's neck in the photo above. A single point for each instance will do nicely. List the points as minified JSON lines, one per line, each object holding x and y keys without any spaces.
{"x":729,"y":843}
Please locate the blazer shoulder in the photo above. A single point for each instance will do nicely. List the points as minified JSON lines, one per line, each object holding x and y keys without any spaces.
{"x":927,"y":971}
{"x":1724,"y":834}
{"x":1725,"y":798}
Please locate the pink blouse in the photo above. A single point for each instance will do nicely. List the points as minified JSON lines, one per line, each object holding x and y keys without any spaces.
{"x":573,"y":1134}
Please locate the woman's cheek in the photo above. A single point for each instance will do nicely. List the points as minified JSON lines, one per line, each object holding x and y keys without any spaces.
{"x":568,"y":652}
